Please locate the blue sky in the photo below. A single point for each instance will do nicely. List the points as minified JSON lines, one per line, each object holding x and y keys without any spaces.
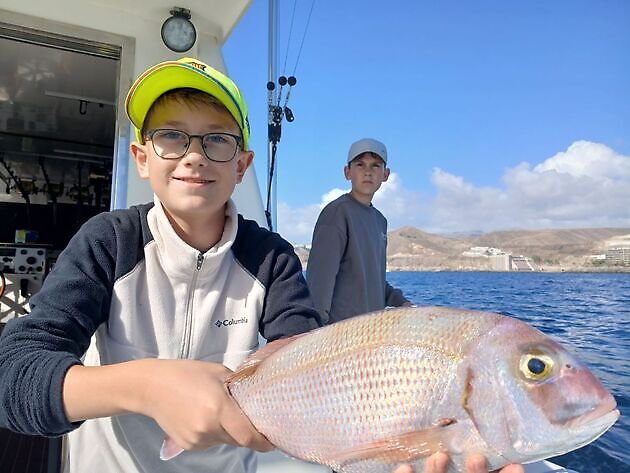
{"x":496,"y":115}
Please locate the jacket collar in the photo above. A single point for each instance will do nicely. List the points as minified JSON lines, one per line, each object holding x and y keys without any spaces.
{"x":180,"y":258}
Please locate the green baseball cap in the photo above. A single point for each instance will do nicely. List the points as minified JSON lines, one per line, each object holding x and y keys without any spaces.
{"x":184,"y":73}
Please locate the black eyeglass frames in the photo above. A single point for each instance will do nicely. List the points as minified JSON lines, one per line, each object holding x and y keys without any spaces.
{"x":173,"y":144}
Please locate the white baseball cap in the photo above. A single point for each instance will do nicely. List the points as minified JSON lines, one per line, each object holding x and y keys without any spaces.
{"x":367,"y":145}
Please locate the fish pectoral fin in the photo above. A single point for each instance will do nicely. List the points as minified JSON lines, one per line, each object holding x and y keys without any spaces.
{"x":406,"y":447}
{"x":250,"y":365}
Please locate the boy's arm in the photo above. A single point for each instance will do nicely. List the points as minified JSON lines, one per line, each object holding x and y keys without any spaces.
{"x":187,"y":398}
{"x":394,"y":297}
{"x":36,"y":350}
{"x":327,"y":249}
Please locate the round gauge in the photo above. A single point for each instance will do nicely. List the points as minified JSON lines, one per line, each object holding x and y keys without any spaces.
{"x":178,"y":33}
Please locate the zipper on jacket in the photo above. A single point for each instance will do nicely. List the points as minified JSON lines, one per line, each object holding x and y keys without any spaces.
{"x":199,"y":261}
{"x":185,"y":349}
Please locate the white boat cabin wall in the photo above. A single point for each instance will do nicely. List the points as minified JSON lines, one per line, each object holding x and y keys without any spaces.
{"x":65,"y":69}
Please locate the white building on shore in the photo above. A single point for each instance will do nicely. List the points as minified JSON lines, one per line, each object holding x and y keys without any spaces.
{"x":501,"y":260}
{"x":618,"y":250}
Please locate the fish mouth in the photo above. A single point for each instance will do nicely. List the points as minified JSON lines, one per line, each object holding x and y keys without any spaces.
{"x":591,"y":428}
{"x":597,"y":421}
{"x":587,"y":429}
{"x":587,"y":417}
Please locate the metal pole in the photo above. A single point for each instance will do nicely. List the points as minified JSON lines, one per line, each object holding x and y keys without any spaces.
{"x":273,"y":18}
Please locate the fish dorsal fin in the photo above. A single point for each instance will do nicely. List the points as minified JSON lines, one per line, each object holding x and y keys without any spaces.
{"x":404,"y":448}
{"x":253,"y":361}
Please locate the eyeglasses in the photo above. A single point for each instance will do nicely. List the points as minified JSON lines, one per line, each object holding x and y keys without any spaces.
{"x":173,"y":144}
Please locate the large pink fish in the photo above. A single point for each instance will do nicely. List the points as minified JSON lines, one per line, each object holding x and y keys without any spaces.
{"x":374,"y":391}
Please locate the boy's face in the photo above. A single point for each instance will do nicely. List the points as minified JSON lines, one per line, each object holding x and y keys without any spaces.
{"x":191,"y":187}
{"x":366,"y":172}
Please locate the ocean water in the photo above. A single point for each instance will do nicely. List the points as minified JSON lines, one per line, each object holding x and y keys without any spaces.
{"x":588,"y":313}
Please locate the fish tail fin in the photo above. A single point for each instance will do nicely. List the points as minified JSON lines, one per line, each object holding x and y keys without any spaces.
{"x":169,"y":449}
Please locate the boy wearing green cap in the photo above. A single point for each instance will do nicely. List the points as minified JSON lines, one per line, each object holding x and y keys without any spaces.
{"x":146,"y":311}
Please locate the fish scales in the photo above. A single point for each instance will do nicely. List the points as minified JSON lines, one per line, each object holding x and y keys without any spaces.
{"x":378,"y":379}
{"x":368,"y":393}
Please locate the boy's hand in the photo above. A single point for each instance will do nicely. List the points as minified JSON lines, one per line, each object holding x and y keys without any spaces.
{"x":189,"y":401}
{"x":476,"y":463}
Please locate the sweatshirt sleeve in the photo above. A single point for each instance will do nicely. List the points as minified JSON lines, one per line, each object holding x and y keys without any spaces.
{"x":393,"y":296}
{"x":327,"y":250}
{"x":288,"y":307}
{"x":36,"y":350}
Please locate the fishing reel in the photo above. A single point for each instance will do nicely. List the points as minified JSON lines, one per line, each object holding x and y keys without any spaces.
{"x":283,"y":81}
{"x":278,"y":112}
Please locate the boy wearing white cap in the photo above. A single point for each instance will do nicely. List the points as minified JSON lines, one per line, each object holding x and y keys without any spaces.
{"x":347,"y":264}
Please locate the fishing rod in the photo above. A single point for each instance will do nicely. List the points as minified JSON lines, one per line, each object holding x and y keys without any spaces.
{"x":19,"y":187}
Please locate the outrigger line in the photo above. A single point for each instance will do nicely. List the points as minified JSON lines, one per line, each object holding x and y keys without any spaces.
{"x":278,"y":111}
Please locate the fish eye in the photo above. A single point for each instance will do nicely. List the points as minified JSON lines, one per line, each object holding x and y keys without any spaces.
{"x":536,"y":366}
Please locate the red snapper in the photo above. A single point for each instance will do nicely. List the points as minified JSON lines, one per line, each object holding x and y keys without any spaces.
{"x":374,"y":391}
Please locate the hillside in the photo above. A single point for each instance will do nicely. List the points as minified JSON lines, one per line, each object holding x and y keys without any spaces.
{"x":409,"y":247}
{"x":566,"y":248}
{"x":565,"y":241}
{"x":552,"y":250}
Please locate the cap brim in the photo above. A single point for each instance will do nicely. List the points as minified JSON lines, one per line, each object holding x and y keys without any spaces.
{"x":367,"y":149}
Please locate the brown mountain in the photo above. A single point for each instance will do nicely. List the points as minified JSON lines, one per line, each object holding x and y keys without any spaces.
{"x":409,"y":248}
{"x":552,"y":250}
{"x":553,"y":247}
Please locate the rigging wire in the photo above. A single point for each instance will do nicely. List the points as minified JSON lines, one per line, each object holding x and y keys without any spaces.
{"x":276,"y":33}
{"x":308,"y":22}
{"x":286,"y":56}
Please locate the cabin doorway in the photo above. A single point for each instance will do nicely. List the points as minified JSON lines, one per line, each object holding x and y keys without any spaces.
{"x":59,"y":137}
{"x":58,"y":109}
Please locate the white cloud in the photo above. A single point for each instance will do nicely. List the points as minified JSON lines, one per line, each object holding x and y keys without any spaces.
{"x":296,"y":224}
{"x":329,"y":196}
{"x":588,"y":185}
{"x":399,"y":204}
{"x":584,"y":158}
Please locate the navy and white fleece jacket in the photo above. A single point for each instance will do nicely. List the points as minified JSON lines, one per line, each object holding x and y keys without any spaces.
{"x":127,"y":287}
